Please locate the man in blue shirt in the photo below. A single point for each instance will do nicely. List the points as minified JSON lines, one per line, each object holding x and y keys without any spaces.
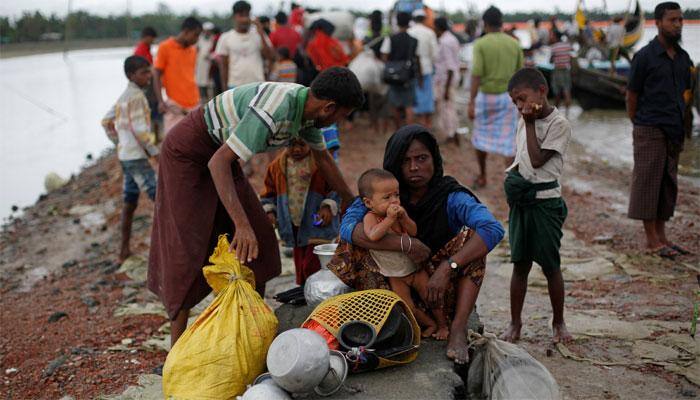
{"x":657,"y":92}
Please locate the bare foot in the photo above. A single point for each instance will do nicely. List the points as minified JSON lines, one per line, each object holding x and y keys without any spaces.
{"x":442,"y":333}
{"x":560,"y":334}
{"x":458,"y":348}
{"x":429,"y":331}
{"x":123,"y":255}
{"x":512,"y":333}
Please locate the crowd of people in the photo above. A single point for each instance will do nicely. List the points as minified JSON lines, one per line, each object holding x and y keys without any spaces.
{"x":208,"y":102}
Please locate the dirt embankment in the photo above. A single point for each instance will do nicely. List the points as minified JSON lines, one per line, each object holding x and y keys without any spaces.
{"x":66,"y":328}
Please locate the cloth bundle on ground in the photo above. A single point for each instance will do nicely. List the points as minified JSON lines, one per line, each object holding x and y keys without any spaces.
{"x":500,"y":370}
{"x":342,"y":23}
{"x":226,"y":347}
{"x":369,"y":70}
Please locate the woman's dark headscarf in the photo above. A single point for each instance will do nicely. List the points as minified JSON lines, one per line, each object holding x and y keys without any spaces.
{"x":430,"y":213}
{"x":324,"y":25}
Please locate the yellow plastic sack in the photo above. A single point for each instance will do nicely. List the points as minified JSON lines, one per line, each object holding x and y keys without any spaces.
{"x":226,"y":347}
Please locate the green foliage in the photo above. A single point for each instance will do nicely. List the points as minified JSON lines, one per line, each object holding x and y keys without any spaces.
{"x":83,"y":25}
{"x":593,"y":15}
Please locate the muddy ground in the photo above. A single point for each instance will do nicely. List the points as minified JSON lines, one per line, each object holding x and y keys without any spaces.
{"x":76,"y":324}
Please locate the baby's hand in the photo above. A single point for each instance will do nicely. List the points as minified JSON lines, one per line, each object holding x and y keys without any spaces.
{"x":325,"y":215}
{"x":393,"y":211}
{"x":401,"y":213}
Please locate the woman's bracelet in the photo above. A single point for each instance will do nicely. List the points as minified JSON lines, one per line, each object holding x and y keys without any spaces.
{"x":410,"y":245}
{"x":402,"y":245}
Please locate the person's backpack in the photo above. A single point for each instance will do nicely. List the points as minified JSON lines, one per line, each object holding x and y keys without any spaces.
{"x":400,"y":72}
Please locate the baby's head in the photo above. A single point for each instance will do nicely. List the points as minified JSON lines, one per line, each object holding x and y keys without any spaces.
{"x":298,"y":149}
{"x":378,"y":189}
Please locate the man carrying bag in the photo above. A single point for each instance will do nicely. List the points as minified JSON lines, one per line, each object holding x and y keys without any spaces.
{"x":401,"y":70}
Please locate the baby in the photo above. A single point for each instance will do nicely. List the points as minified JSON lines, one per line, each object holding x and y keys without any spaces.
{"x":379,"y":191}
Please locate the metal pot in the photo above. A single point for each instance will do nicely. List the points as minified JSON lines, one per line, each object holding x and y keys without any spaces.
{"x":325,"y":252}
{"x":391,"y":325}
{"x":265,"y":391}
{"x":298,"y":360}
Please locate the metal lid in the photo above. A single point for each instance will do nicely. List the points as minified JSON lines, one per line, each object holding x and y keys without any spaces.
{"x":325,"y":249}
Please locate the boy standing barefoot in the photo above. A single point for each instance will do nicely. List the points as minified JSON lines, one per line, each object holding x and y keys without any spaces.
{"x":537,"y":210}
{"x":128,"y":125}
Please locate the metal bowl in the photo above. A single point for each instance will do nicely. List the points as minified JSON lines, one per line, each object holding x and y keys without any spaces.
{"x":325,"y":252}
{"x":336,"y":375}
{"x":356,"y":334}
{"x":263,"y":378}
{"x":266,"y":391}
{"x":298,"y":360}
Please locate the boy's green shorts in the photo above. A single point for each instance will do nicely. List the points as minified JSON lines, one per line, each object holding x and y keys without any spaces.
{"x":535,"y":233}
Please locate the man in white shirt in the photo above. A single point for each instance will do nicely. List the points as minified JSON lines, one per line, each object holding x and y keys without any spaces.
{"x":615,"y":36}
{"x":241,"y":51}
{"x":201,"y":74}
{"x":615,"y":33}
{"x":427,"y":52}
{"x":446,"y":81}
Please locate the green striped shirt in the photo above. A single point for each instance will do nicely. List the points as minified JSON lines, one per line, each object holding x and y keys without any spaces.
{"x":255,"y":117}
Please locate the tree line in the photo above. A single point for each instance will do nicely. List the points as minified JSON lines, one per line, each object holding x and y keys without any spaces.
{"x":35,"y":26}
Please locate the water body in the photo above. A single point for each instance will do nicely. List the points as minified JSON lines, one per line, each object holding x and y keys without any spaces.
{"x":51,"y":107}
{"x":608,"y":133}
{"x":50,"y":112}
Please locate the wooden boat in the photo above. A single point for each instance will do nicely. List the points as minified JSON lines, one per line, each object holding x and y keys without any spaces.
{"x":592,"y":88}
{"x":634,"y":23}
{"x":596,"y":89}
{"x":634,"y":27}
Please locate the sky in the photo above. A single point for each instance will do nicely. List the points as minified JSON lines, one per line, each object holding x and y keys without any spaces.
{"x":14,"y":8}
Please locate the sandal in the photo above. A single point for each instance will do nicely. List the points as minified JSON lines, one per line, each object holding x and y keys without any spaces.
{"x":666,"y":252}
{"x":680,"y":249}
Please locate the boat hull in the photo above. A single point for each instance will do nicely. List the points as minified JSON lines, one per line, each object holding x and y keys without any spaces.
{"x":593,"y":88}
